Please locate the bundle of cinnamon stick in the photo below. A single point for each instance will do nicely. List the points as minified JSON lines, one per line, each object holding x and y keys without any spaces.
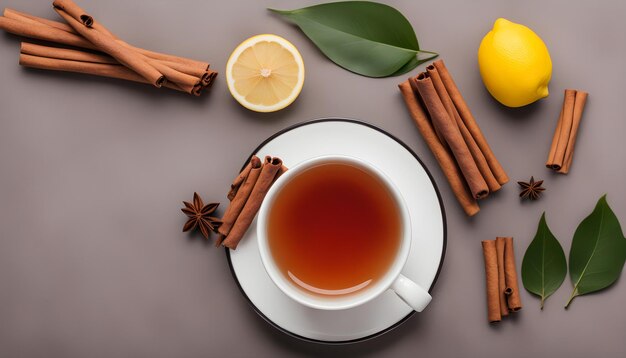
{"x":562,"y":149}
{"x":452,"y":134}
{"x":503,"y":294}
{"x":246,"y":195}
{"x":99,"y":52}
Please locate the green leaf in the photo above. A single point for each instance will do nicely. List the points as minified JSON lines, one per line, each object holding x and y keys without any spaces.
{"x":364,"y":37}
{"x":544,"y":267}
{"x":416,"y":61}
{"x":598,"y":251}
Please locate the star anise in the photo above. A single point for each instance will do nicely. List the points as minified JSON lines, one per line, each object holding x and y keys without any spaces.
{"x":531,"y":190}
{"x":200,"y":216}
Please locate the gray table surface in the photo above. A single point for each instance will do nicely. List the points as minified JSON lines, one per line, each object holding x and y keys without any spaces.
{"x":92,"y":259}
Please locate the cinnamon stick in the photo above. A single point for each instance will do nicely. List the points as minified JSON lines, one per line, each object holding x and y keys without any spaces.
{"x":444,"y":158}
{"x":510,"y":274}
{"x":470,"y":122}
{"x":579,"y":105}
{"x":182,"y":74}
{"x":162,"y":56}
{"x":266,"y":178}
{"x":502,"y":289}
{"x":43,"y":32}
{"x":241,"y":178}
{"x":65,"y":54}
{"x":96,"y":69}
{"x":10,"y":14}
{"x":566,"y":127}
{"x":452,"y":135}
{"x":75,"y":55}
{"x":477,"y":155}
{"x":195,"y":71}
{"x":22,"y":16}
{"x":188,"y":66}
{"x":79,"y":15}
{"x":281,"y":171}
{"x":244,"y":184}
{"x":566,"y":132}
{"x":172,"y":75}
{"x":555,"y":141}
{"x":211,"y":75}
{"x":122,"y":54}
{"x":98,"y":26}
{"x":74,"y":11}
{"x":491,"y":274}
{"x":187,"y":82}
{"x":177,"y":71}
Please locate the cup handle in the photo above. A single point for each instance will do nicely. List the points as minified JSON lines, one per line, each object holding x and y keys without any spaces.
{"x":411,"y":293}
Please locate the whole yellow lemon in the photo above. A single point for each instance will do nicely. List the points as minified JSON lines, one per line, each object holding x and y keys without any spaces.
{"x":515,"y":64}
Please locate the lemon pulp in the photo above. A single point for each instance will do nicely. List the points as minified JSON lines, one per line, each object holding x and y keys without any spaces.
{"x":265,"y":73}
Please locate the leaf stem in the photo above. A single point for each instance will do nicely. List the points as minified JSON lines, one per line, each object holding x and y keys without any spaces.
{"x":574,"y":294}
{"x":422,"y":60}
{"x":542,"y":300}
{"x":430,"y":52}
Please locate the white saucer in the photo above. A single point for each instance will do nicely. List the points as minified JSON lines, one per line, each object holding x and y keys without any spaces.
{"x":361,"y":140}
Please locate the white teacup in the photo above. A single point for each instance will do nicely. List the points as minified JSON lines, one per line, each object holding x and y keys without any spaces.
{"x":410,"y":292}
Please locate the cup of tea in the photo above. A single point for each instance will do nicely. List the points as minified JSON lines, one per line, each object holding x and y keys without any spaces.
{"x":334,"y":233}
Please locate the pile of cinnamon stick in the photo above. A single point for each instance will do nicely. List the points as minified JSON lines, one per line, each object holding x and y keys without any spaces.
{"x":562,"y":149}
{"x":246,"y":195}
{"x":452,"y":134}
{"x":99,"y":52}
{"x":503,"y":294}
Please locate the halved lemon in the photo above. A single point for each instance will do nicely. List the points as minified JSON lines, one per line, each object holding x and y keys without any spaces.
{"x":265,"y":73}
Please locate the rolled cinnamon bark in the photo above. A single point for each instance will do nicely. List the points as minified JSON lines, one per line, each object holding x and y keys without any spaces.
{"x":43,"y":32}
{"x":65,"y":54}
{"x":90,"y":68}
{"x":579,"y":106}
{"x":98,"y":26}
{"x":74,"y":11}
{"x":80,"y":15}
{"x":491,"y":274}
{"x":470,"y":122}
{"x":241,"y":178}
{"x":444,"y":158}
{"x":211,"y":76}
{"x":184,"y":82}
{"x":22,"y":16}
{"x":452,"y":135}
{"x":281,"y":171}
{"x":555,"y":141}
{"x":502,"y":289}
{"x":197,"y":67}
{"x":162,"y":56}
{"x":566,"y":127}
{"x":122,"y":54}
{"x":97,"y":69}
{"x":566,"y":132}
{"x":26,"y":25}
{"x":10,"y":14}
{"x":241,"y":195}
{"x":270,"y":169}
{"x":197,"y":89}
{"x":474,"y":149}
{"x":176,"y":87}
{"x":172,"y":75}
{"x":510,"y":274}
{"x":190,"y":70}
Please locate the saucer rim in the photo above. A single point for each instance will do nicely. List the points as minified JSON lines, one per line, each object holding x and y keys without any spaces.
{"x":443,"y":216}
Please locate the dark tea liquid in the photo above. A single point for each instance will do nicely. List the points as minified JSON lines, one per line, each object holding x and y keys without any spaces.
{"x":334,"y":229}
